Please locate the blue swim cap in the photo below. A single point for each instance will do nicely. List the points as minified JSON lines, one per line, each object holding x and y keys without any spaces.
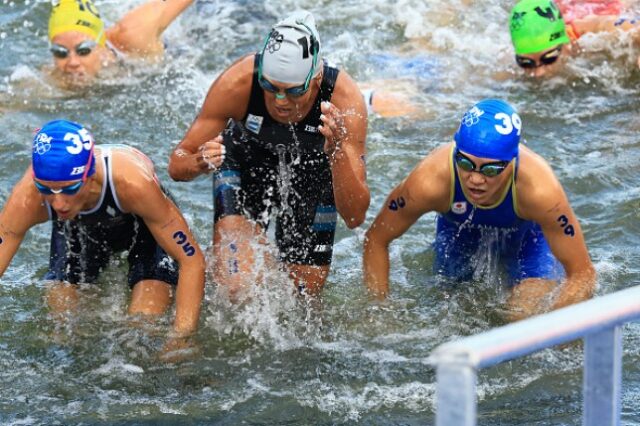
{"x":61,"y":152}
{"x":490,"y":129}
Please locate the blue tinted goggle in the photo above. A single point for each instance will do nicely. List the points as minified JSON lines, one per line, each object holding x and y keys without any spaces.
{"x":298,"y":90}
{"x":487,"y":169}
{"x":67,"y":190}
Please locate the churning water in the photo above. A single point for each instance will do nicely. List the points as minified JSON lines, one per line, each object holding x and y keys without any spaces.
{"x":275,"y":358}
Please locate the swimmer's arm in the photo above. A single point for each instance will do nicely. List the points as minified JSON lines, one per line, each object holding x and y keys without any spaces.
{"x":169,"y":228}
{"x":344,"y":125}
{"x":139,"y":30}
{"x":22,"y":211}
{"x":595,"y":24}
{"x":421,"y":192}
{"x":228,"y":98}
{"x":548,"y":206}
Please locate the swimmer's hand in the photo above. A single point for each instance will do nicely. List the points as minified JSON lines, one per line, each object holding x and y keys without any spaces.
{"x":210,"y":155}
{"x":177,"y":349}
{"x":332,"y":128}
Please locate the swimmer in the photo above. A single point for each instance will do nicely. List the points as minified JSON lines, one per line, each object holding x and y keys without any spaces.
{"x":542,"y":39}
{"x":388,"y":103}
{"x":486,"y":182}
{"x":283,"y":132}
{"x":81,"y":45}
{"x":102,"y":200}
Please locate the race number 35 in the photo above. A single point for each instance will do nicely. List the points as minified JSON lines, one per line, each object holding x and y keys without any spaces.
{"x":80,"y":141}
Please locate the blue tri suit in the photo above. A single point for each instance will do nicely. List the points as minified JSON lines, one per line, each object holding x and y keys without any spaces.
{"x":467,"y":231}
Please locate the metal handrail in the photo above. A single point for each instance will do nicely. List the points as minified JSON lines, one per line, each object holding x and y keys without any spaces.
{"x":598,"y":320}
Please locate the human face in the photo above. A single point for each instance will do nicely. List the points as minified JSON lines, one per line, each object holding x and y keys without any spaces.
{"x":80,"y":62}
{"x":542,"y":63}
{"x":66,"y":197}
{"x":286,"y":108}
{"x":482,"y":189}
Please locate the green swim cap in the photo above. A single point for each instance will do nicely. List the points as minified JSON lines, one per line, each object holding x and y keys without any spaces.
{"x":537,"y":25}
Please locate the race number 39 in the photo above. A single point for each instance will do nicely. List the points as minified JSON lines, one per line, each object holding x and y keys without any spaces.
{"x":509,"y":123}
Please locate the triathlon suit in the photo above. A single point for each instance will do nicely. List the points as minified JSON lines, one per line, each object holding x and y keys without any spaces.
{"x":466,"y":232}
{"x":81,"y":248}
{"x":281,"y":168}
{"x":578,"y":9}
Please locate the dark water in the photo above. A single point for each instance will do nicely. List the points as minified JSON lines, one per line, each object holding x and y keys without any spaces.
{"x":343,"y":360}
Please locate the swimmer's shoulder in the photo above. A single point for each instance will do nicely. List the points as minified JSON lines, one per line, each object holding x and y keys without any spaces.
{"x":24,"y":207}
{"x":230,"y":92}
{"x":347,"y":93}
{"x":431,"y":179}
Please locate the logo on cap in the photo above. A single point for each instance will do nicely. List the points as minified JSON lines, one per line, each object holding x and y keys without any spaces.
{"x":275,"y":41}
{"x":472,"y":116}
{"x":42,"y":143}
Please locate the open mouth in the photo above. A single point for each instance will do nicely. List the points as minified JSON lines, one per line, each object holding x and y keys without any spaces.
{"x":284,"y":112}
{"x":476,"y":193}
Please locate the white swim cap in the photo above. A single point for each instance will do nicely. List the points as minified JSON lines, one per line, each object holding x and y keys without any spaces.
{"x":291,"y":52}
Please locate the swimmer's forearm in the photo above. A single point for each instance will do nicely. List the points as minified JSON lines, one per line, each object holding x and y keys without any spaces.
{"x":350,"y":191}
{"x":9,"y":244}
{"x":173,"y":8}
{"x":189,"y":295}
{"x":184,"y":166}
{"x":578,"y":287}
{"x":376,"y":268}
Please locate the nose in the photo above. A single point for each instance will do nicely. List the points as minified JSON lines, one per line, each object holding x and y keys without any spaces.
{"x":539,"y":71}
{"x":281,"y":98}
{"x":73,"y":61}
{"x":58,"y":202}
{"x":477,"y":178}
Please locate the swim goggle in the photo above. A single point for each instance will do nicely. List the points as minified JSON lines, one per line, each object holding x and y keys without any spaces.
{"x":546,"y":58}
{"x":82,"y":49}
{"x":488,"y":169}
{"x":296,"y":91}
{"x":66,"y":190}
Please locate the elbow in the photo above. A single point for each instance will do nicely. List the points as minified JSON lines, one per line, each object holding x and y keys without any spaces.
{"x":174,"y":173}
{"x":354,"y":222}
{"x":372,"y":241}
{"x":357,"y":216}
{"x":172,"y":170}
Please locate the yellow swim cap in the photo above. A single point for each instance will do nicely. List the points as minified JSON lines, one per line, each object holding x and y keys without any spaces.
{"x":76,"y":15}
